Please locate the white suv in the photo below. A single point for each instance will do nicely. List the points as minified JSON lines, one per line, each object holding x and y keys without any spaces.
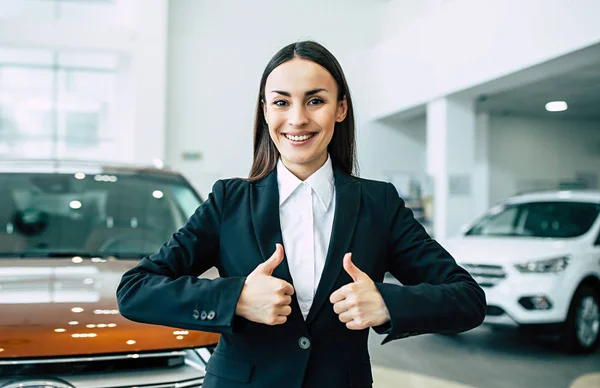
{"x":537,"y":256}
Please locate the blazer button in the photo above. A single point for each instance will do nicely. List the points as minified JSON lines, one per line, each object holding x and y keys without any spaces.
{"x":196,"y":314}
{"x":304,"y":343}
{"x":211,"y":315}
{"x":203,"y":315}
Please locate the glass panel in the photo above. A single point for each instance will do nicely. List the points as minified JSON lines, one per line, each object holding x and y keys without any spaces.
{"x":20,"y":56}
{"x":96,"y":12}
{"x":87,"y":61}
{"x":127,"y":215}
{"x":121,"y":12}
{"x":502,"y":223}
{"x":26,"y":112}
{"x":539,"y":219}
{"x":84,"y":104}
{"x":27,"y":9}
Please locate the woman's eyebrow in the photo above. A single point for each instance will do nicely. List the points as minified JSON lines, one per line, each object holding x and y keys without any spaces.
{"x":308,"y":93}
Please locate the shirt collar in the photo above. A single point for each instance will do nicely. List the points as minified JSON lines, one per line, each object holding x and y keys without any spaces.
{"x":321,"y":181}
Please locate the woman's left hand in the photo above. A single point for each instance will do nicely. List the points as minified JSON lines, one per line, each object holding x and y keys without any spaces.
{"x":359,"y":304}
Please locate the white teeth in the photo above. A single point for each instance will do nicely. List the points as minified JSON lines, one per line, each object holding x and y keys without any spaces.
{"x":299,"y":138}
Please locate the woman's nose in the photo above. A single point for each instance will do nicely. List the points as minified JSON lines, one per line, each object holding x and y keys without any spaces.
{"x":297,"y":117}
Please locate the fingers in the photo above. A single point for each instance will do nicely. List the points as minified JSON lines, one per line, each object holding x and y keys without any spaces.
{"x":284,"y":311}
{"x":352,"y":270}
{"x":346,"y":317}
{"x":340,"y":294}
{"x":279,"y":316}
{"x":277,"y":320}
{"x":353,"y":321}
{"x":287,"y":288}
{"x":272,"y":262}
{"x":342,"y":306}
{"x":285,"y":300}
{"x":356,"y":325}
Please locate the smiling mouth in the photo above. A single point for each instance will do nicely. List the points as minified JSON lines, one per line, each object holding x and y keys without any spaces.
{"x":299,"y":138}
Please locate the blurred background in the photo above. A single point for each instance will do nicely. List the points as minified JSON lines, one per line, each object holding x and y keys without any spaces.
{"x":484,"y":114}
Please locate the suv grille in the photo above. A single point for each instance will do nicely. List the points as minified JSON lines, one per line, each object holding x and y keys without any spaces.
{"x":485,"y":275}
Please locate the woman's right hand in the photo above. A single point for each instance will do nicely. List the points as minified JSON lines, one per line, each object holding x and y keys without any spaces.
{"x":264,"y":298}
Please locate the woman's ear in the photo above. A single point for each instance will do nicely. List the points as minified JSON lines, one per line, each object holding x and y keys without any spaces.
{"x":342,"y":110}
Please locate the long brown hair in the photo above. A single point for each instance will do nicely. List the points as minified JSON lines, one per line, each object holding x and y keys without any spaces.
{"x":342,"y":147}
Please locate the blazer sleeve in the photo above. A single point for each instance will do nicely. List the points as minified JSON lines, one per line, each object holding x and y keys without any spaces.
{"x":436,"y":294}
{"x":164,"y":288}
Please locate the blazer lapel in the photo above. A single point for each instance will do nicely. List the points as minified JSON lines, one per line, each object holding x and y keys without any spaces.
{"x":344,"y":221}
{"x":264,"y":207}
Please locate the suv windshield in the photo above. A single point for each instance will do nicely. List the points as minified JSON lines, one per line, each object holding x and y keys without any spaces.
{"x":121,"y":214}
{"x":538,"y":219}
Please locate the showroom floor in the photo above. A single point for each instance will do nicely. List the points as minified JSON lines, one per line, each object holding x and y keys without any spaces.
{"x":481,"y":358}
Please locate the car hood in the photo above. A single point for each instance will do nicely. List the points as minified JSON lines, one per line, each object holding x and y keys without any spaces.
{"x":67,"y":307}
{"x":505,"y":250}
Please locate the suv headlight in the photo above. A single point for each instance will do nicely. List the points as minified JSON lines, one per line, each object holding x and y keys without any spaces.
{"x":556,"y":265}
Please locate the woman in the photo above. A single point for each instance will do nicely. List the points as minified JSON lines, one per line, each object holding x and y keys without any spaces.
{"x":302,"y":247}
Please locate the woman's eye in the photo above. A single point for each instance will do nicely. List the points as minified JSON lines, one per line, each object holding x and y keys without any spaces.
{"x":279,"y":103}
{"x":315,"y":101}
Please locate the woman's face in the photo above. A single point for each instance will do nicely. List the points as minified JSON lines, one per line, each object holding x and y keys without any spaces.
{"x":301,"y":109}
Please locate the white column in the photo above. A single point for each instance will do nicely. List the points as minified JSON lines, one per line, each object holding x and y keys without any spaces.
{"x":150,"y":86}
{"x":481,"y":180}
{"x":451,"y":128}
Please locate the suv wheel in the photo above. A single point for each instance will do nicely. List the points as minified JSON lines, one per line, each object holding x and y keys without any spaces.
{"x":583,"y":322}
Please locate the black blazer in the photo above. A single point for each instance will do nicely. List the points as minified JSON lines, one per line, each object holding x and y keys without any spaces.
{"x":237,"y":228}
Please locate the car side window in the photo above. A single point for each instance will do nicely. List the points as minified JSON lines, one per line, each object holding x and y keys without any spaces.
{"x":597,"y":242}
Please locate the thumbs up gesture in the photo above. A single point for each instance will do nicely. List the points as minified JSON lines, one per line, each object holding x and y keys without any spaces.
{"x":359,"y":304}
{"x":264,"y":298}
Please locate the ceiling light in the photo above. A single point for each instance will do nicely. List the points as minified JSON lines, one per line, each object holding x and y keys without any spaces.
{"x":556,"y":106}
{"x":77,"y":310}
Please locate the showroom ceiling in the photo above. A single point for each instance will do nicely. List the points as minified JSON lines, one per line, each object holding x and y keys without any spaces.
{"x":579,"y":88}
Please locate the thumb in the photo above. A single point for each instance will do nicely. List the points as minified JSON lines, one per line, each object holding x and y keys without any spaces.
{"x":352,"y":270}
{"x":272,"y":262}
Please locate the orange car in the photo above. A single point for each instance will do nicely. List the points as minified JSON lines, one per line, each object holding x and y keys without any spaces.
{"x":68,"y":231}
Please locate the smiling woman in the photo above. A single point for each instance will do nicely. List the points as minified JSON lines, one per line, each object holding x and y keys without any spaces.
{"x":304,"y":111}
{"x":302,"y":247}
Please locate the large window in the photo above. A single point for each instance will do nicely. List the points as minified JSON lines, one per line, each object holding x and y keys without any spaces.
{"x":101,"y":12}
{"x":57,"y":104}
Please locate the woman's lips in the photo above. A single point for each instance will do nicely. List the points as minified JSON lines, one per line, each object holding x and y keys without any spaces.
{"x":299,"y":139}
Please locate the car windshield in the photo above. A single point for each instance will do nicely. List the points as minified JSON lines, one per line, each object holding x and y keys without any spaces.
{"x":538,"y":219}
{"x":121,"y":214}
